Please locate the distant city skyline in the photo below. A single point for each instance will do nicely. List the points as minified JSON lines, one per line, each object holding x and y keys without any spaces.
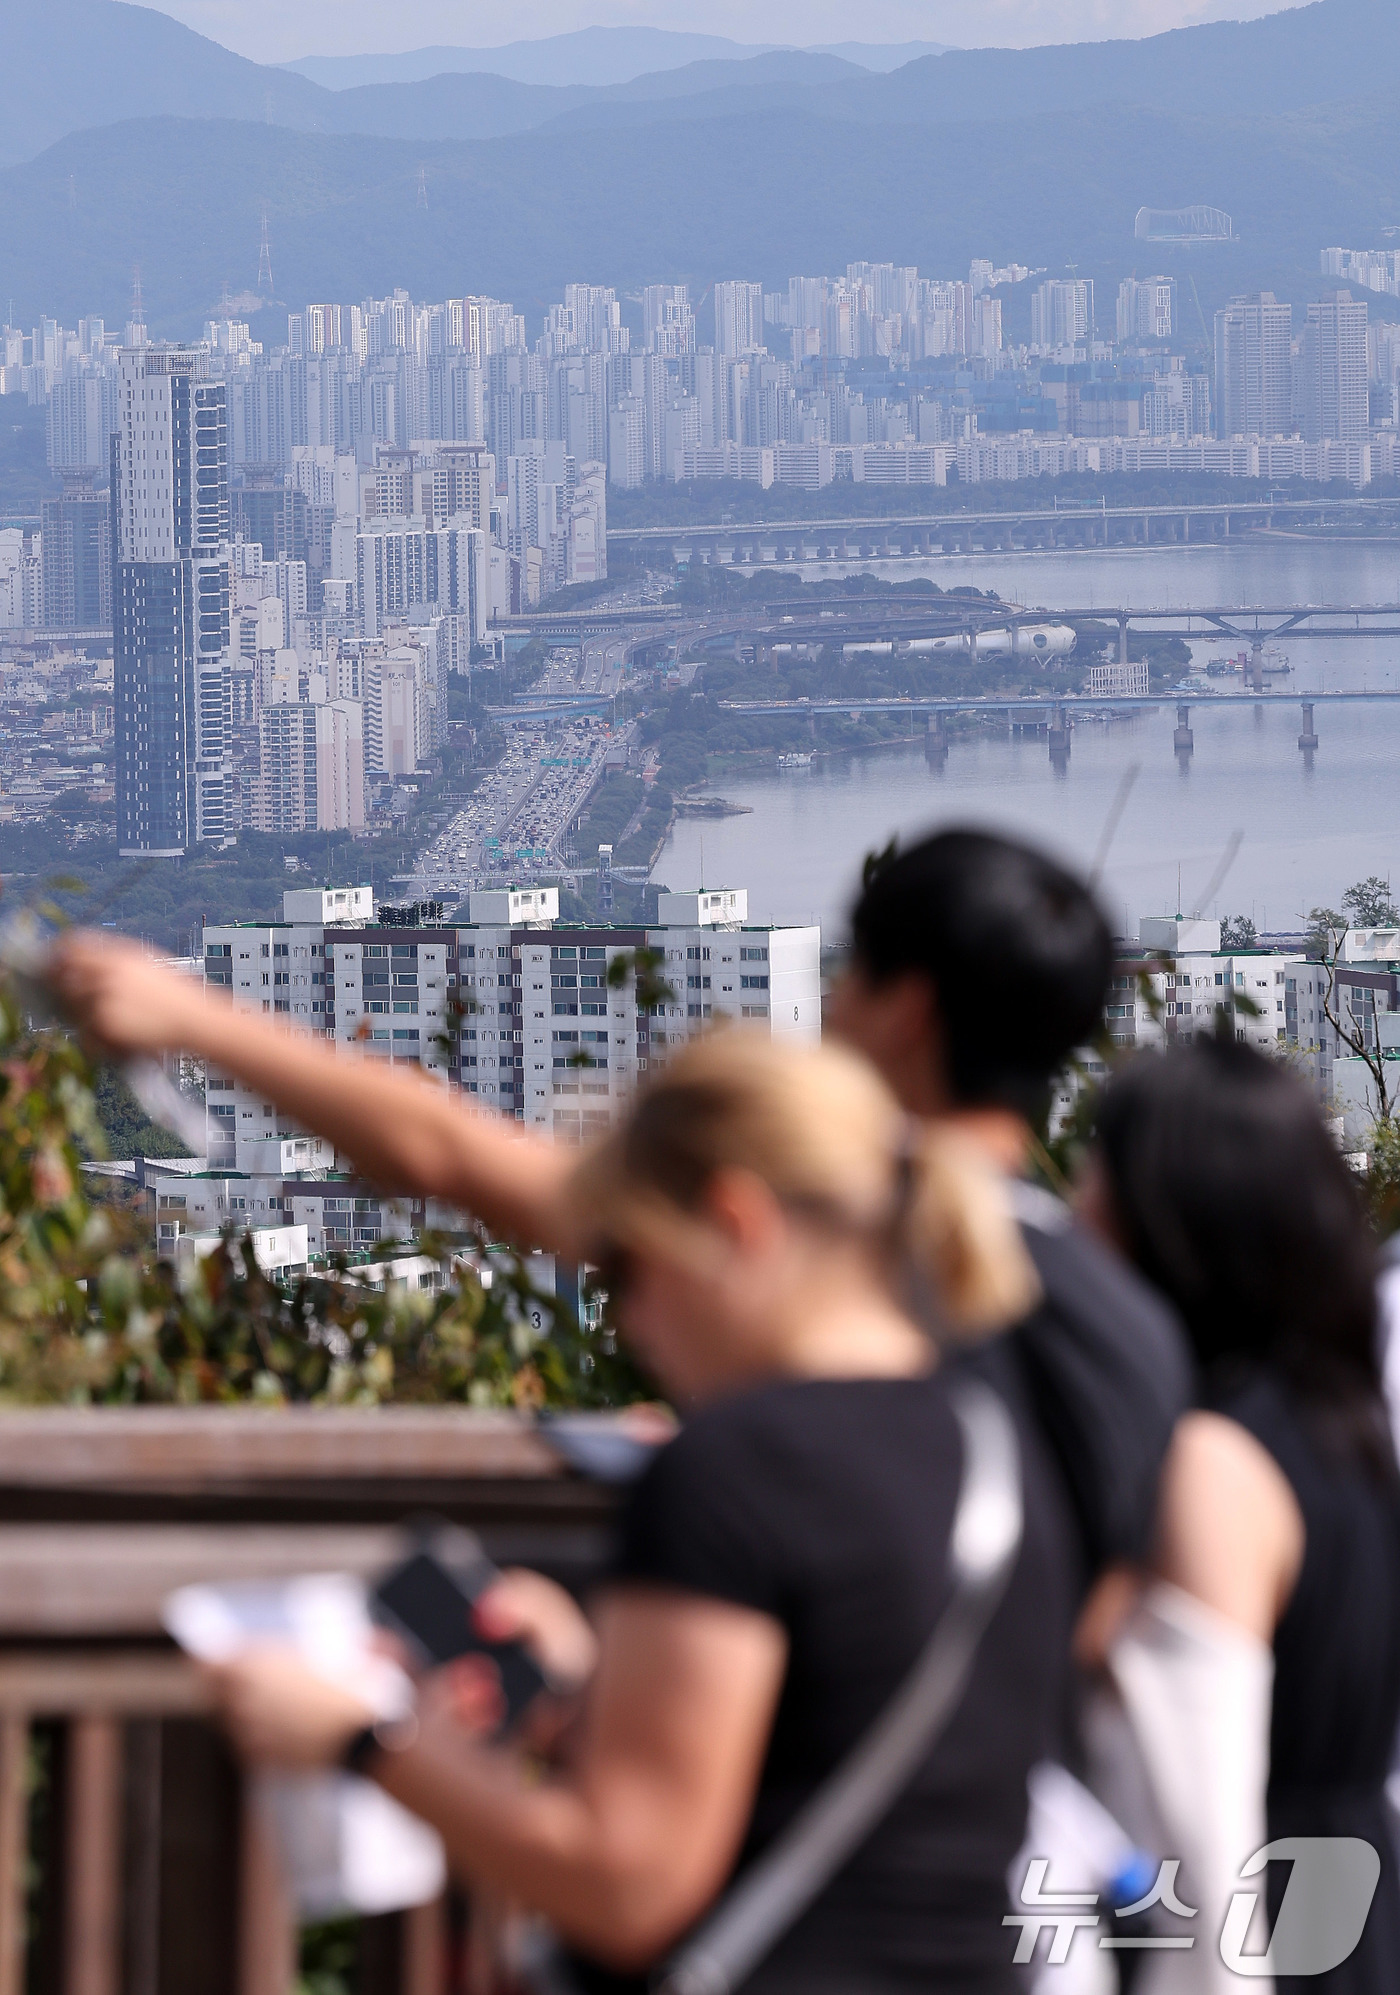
{"x":284,"y":30}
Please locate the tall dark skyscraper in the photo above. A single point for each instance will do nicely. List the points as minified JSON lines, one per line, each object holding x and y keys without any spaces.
{"x":170,"y":589}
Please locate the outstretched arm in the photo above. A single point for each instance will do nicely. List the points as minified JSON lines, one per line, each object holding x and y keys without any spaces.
{"x":401,"y":1130}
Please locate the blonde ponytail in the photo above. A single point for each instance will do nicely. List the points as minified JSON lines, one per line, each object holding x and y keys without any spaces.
{"x":820,"y":1127}
{"x":961,"y":1235}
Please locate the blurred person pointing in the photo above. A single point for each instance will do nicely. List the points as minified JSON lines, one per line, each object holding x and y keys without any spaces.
{"x":978,"y":966}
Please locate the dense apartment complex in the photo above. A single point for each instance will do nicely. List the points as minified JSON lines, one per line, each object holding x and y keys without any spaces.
{"x":537,"y":1021}
{"x":391,"y":420}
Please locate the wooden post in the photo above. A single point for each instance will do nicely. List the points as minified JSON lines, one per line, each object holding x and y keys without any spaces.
{"x":424,"y":1965}
{"x":92,"y":1922}
{"x":144,"y":1746}
{"x":14,"y":1840}
{"x":267,"y":1933}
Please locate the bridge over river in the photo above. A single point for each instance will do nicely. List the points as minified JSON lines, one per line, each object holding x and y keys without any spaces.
{"x":1053,"y":712}
{"x":917,"y":534}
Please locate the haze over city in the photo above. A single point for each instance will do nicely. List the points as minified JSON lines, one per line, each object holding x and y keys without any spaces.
{"x":271,"y":33}
{"x":699,"y":997}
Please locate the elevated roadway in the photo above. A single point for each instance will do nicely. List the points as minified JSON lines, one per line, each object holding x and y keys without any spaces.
{"x":922,"y":532}
{"x":795,"y":619}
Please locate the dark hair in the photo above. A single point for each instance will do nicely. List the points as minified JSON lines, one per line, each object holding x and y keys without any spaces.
{"x":1233,"y":1199}
{"x":1017,"y":951}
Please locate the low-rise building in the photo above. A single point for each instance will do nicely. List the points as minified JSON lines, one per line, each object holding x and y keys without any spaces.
{"x":1180,"y":980}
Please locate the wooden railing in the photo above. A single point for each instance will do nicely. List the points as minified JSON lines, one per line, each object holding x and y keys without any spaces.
{"x":132,"y":1861}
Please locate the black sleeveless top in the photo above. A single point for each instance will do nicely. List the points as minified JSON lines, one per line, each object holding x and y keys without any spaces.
{"x":1336,"y":1665}
{"x":827,"y":1504}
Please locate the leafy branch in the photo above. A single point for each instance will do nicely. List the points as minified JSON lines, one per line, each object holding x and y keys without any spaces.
{"x":89,"y":1312}
{"x":1352,"y":1034}
{"x":645,"y":967}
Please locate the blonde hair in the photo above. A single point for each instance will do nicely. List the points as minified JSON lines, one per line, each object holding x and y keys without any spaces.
{"x":821,"y":1129}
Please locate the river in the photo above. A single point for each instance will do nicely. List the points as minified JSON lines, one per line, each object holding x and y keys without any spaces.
{"x":1309,"y":825}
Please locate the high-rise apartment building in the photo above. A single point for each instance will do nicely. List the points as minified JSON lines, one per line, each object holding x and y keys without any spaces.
{"x":597,"y":317}
{"x":549,"y":1036}
{"x":311,"y":766}
{"x":738,"y":318}
{"x":456,"y":485}
{"x":77,"y":543}
{"x":513,"y":1009}
{"x":80,"y":418}
{"x":403,"y":571}
{"x":1334,"y":399}
{"x":1254,"y":367}
{"x":984,"y":328}
{"x":667,"y":320}
{"x":510,"y":1007}
{"x":1146,"y":308}
{"x":170,"y":587}
{"x":1062,"y":313}
{"x":627,"y":442}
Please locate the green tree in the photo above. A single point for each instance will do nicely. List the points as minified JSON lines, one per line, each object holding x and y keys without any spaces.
{"x":1382,"y":1180}
{"x":88,"y":1314}
{"x":1369,"y":904}
{"x":1325,"y":927}
{"x":126,"y":1128}
{"x":1237,"y":931}
{"x":1351,"y":1029}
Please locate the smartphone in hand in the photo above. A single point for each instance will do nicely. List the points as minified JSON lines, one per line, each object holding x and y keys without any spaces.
{"x":428,"y":1601}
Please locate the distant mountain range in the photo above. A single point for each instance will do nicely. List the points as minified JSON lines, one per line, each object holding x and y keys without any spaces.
{"x":755,"y":165}
{"x":588,"y":55}
{"x":74,"y":64}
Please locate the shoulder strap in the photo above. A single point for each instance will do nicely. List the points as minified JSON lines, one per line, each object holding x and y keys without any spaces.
{"x":777,"y":1890}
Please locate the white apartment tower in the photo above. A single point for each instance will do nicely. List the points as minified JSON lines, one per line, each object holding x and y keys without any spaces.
{"x":1254,"y":367}
{"x":546,"y":1036}
{"x":1335,"y":397}
{"x":1146,"y":308}
{"x":1062,"y":313}
{"x":311,"y":767}
{"x":738,"y":318}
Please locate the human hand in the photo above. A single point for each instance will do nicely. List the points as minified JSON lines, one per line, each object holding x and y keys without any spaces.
{"x":118,"y":995}
{"x":520,"y":1606}
{"x":278,"y":1712}
{"x":524,"y":1606}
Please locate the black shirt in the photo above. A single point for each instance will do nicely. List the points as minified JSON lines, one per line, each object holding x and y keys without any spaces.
{"x":1336,"y":1660}
{"x":1102,"y":1365}
{"x":827,"y":1505}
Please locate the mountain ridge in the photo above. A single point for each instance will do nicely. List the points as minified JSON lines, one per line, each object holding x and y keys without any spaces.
{"x":77,"y":64}
{"x":595,"y":55}
{"x":516,"y":218}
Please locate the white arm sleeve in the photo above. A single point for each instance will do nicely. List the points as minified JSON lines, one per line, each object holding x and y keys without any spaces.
{"x":1196,"y":1692}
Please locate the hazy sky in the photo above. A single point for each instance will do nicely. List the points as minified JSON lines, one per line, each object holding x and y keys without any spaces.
{"x":278,"y":30}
